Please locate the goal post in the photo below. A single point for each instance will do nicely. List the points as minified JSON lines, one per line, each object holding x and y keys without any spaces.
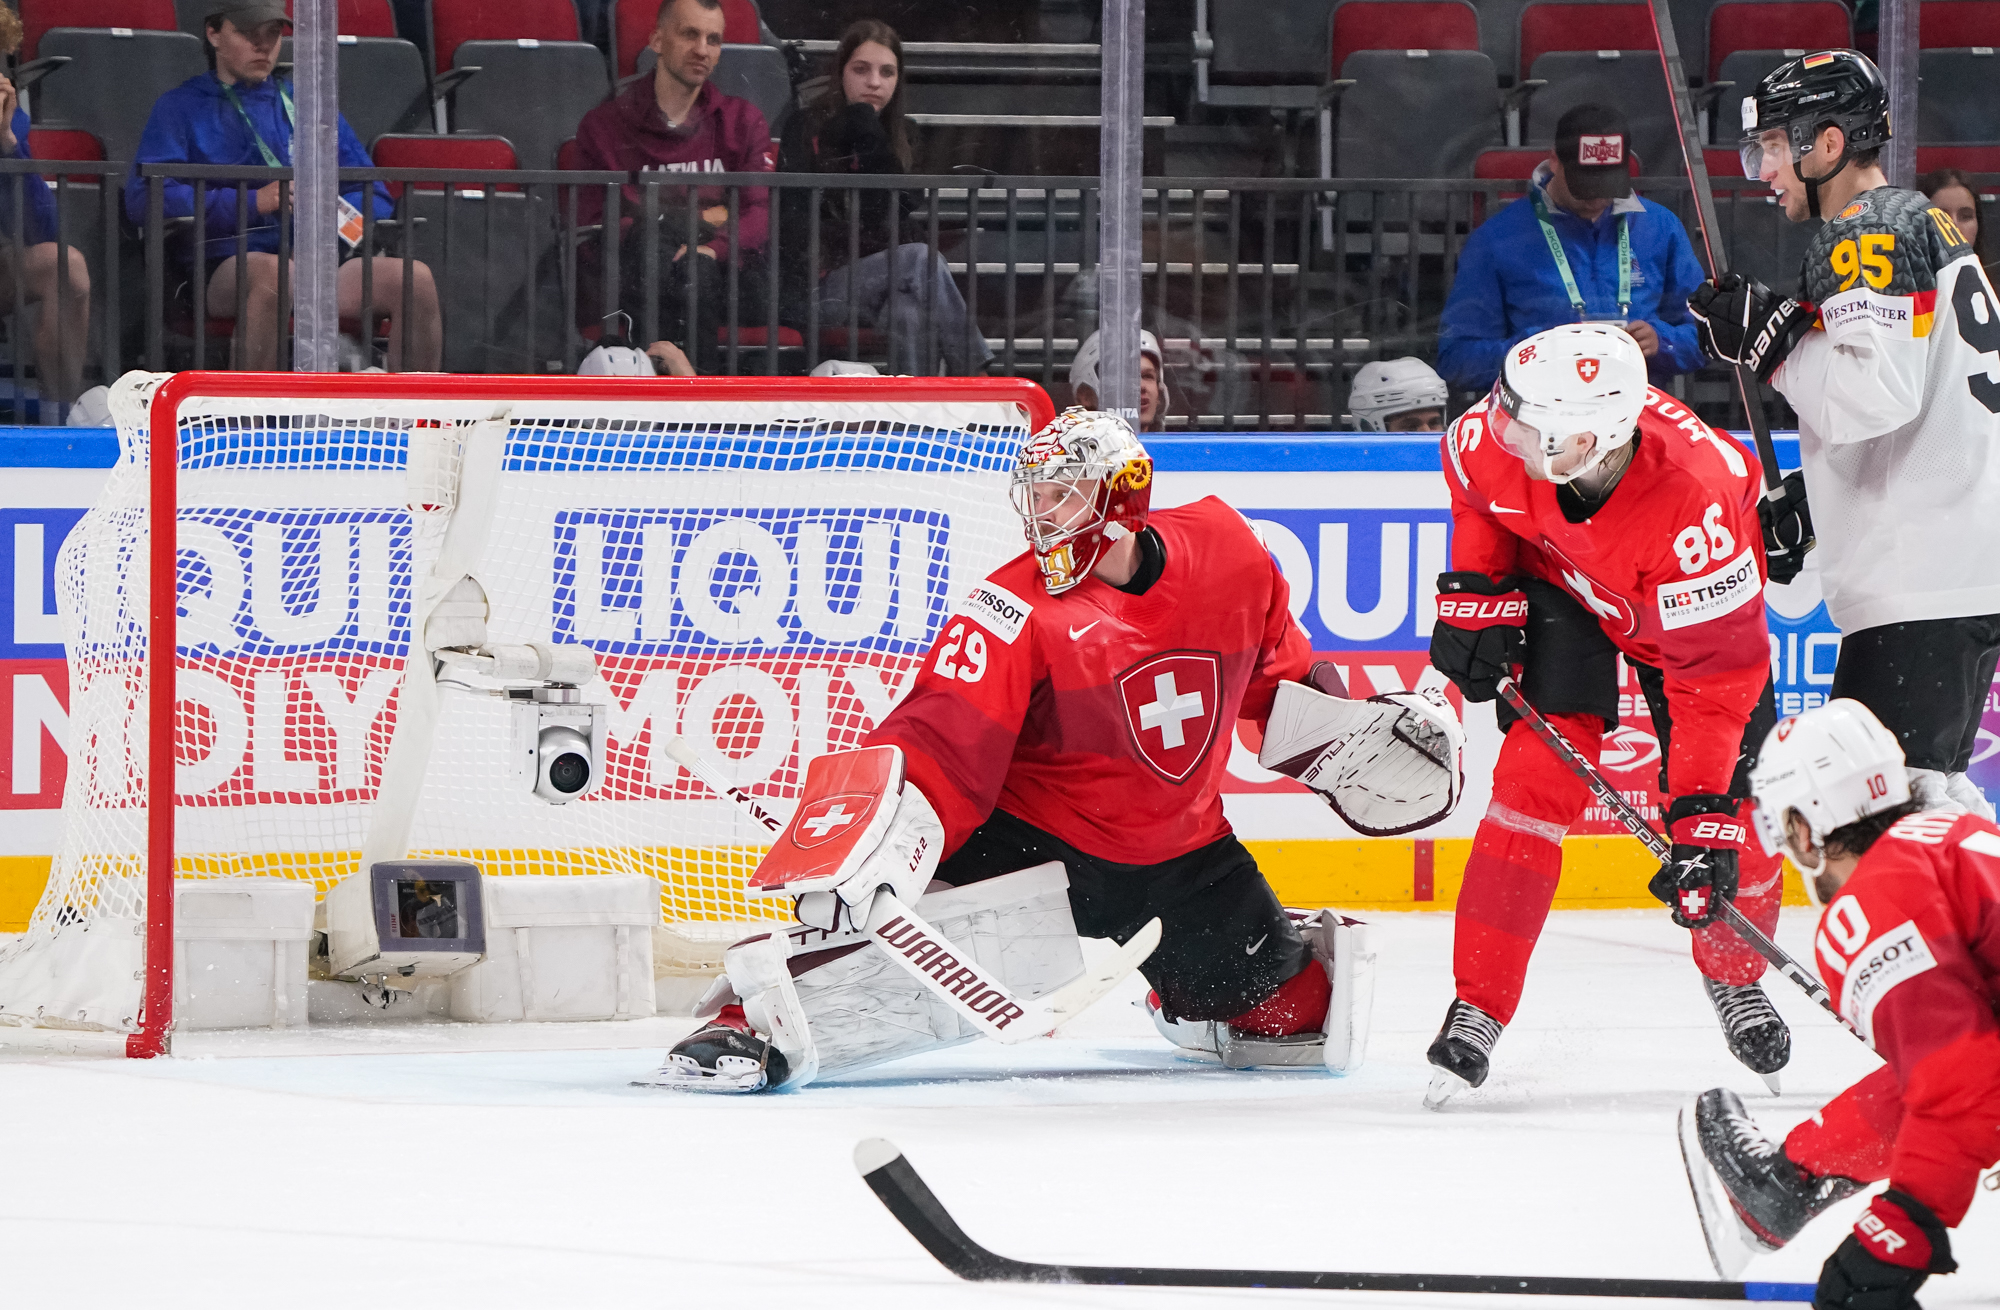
{"x":753,"y":564}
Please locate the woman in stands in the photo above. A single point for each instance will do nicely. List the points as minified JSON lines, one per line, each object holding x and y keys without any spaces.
{"x":1949,"y":191}
{"x":856,"y":126}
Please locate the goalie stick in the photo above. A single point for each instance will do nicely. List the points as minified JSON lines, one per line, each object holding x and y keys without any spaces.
{"x":903,"y":1191}
{"x":928,"y":956}
{"x":1635,"y":823}
{"x":1688,"y":129}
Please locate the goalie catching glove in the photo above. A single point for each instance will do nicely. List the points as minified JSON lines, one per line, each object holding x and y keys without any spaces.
{"x":1386,"y":765}
{"x":859,"y":828}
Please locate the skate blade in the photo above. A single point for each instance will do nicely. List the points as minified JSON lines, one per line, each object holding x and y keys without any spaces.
{"x":1773,"y":1081}
{"x":1444,"y":1085}
{"x":737,"y":1077}
{"x":1731,"y":1245}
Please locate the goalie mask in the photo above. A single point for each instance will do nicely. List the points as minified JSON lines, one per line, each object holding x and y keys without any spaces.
{"x":1082,"y":482}
{"x":1566,"y":398}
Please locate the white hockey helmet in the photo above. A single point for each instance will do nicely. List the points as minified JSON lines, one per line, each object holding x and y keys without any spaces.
{"x":1558,"y":386}
{"x":1833,"y":764}
{"x":1083,"y":369}
{"x":616,"y":360}
{"x":1081,"y":483}
{"x":1393,"y":386}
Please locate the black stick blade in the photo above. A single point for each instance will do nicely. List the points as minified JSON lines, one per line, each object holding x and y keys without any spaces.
{"x":917,"y":1208}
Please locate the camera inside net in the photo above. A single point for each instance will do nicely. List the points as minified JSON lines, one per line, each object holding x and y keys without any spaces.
{"x":558,"y":743}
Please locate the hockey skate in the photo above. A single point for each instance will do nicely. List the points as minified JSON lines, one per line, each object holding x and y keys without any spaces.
{"x":1461,"y":1053}
{"x":1756,"y":1034}
{"x":1750,"y":1197}
{"x":721,"y":1057}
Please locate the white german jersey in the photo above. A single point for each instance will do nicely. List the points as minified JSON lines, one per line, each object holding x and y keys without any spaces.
{"x":1898,"y":395}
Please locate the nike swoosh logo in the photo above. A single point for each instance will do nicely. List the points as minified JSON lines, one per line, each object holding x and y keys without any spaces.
{"x":1252,"y":950}
{"x":1074,"y":633}
{"x":1498,"y":508}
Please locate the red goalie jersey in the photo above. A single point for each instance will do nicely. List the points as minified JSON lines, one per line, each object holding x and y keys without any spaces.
{"x":1910,"y":950}
{"x":1102,"y":717}
{"x":1672,"y":565}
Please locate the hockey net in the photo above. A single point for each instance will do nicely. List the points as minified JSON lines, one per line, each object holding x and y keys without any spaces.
{"x":757,"y":564}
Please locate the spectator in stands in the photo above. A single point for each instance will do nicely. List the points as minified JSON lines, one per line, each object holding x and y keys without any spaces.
{"x":1398,"y":395}
{"x":237,"y":113}
{"x":1579,"y":247}
{"x":1152,"y":379}
{"x":856,"y":126}
{"x":1950,"y":192}
{"x":29,"y":268}
{"x":677,"y":122}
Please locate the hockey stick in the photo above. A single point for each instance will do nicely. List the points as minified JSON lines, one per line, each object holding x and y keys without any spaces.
{"x":928,"y":956}
{"x":1689,"y":131}
{"x":1635,"y":823}
{"x":916,"y":1207}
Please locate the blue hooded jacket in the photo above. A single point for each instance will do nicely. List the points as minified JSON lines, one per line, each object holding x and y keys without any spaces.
{"x":194,"y":123}
{"x":1508,"y":286}
{"x":41,"y":206}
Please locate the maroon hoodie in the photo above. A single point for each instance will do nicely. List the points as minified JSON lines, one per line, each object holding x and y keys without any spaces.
{"x":722,"y":134}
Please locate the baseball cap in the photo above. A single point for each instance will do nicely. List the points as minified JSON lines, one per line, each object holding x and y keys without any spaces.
{"x":244,"y":14}
{"x":1595,"y":148}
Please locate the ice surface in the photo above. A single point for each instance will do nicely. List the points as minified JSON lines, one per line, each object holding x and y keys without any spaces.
{"x":350,"y":1170}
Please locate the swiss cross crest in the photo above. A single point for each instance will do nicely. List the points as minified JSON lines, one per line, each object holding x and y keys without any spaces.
{"x":1611,"y":610}
{"x":830,"y":817}
{"x":1173,"y":709}
{"x":1587,"y":369}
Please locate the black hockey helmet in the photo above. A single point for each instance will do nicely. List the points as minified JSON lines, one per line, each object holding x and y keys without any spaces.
{"x":1827,"y":88}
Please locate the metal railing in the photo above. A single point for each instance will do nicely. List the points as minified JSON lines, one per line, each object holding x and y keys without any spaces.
{"x":1266,"y":292}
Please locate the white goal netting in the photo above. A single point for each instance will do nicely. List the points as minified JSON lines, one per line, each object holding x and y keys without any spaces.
{"x":756,"y":569}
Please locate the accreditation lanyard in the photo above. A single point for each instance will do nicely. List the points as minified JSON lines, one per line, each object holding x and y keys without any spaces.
{"x":1562,"y":260}
{"x":271,"y":160}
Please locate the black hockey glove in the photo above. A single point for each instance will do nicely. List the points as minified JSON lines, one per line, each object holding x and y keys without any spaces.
{"x":1701,"y":870}
{"x":1745,"y":322}
{"x":1478,"y":637}
{"x":1788,"y":528}
{"x":1896,"y":1245}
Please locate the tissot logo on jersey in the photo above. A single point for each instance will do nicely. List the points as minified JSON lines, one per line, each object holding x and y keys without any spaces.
{"x":997,"y":609}
{"x":1893,"y":958}
{"x":1697,"y":600}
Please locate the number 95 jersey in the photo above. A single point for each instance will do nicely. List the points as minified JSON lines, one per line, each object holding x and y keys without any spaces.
{"x":1103,"y":717}
{"x":1898,"y":395}
{"x":1671,"y":564}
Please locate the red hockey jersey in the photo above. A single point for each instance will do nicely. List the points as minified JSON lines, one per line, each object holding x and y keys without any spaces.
{"x":1102,"y":717}
{"x":1672,"y":565}
{"x":1910,"y":950}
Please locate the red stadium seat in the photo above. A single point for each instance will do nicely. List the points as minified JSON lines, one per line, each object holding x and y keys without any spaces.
{"x":425,"y":150}
{"x":454,"y":22}
{"x":741,"y":20}
{"x":1546,"y":27}
{"x":1966,"y":159}
{"x":1401,"y":25}
{"x":1511,"y":163}
{"x":1956,"y":24}
{"x":38,"y":16}
{"x":1722,"y":163}
{"x":65,"y":143}
{"x":365,"y":18}
{"x":1762,"y":25}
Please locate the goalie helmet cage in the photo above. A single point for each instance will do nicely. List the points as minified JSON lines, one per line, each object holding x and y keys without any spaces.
{"x":758,"y":564}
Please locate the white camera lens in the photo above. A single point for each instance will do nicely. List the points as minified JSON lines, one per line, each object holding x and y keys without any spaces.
{"x":564,"y":764}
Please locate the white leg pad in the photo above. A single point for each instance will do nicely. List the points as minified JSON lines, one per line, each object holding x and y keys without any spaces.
{"x":860,"y":1008}
{"x":1341,"y":945}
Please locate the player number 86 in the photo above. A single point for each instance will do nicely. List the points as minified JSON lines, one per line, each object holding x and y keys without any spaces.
{"x":1698,"y":544}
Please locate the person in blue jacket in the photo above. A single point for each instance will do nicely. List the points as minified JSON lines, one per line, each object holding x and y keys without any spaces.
{"x":28,"y":264}
{"x":238,"y":113}
{"x":1579,"y":247}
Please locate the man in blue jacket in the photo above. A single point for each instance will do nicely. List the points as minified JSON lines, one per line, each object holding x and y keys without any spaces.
{"x":1579,"y":247}
{"x":238,"y":113}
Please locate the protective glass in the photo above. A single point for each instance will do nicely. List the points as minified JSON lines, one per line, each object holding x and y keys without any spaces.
{"x":1529,"y":443}
{"x":1774,"y":142}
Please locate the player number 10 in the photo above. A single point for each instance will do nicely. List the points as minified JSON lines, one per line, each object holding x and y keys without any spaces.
{"x":974,"y":643}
